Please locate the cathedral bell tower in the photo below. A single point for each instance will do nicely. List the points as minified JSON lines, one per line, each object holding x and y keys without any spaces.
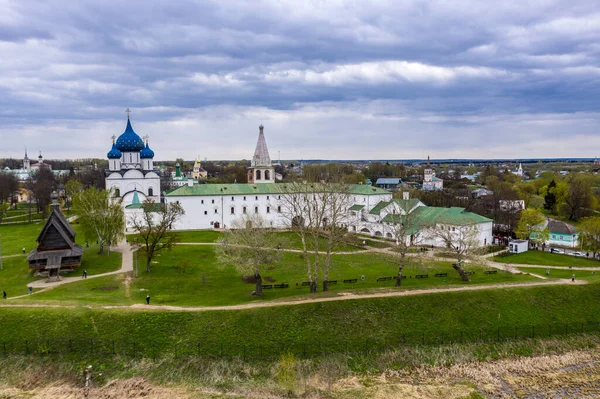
{"x":261,"y":170}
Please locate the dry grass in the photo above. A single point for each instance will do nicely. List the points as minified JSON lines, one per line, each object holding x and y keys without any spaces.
{"x":540,"y":368}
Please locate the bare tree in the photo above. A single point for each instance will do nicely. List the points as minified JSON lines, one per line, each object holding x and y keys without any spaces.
{"x":249,"y":245}
{"x":406,"y":230}
{"x":316,"y":211}
{"x":462,"y":240}
{"x":337,"y":202}
{"x":154,"y":227}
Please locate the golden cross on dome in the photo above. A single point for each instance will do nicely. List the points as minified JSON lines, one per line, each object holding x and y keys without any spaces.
{"x":128,"y":111}
{"x":146,"y":137}
{"x":113,"y":137}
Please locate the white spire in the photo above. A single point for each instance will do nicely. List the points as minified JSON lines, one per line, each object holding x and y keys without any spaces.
{"x":261,"y":154}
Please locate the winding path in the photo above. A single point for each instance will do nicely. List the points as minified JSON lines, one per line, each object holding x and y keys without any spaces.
{"x":127,"y":266}
{"x":340,"y":296}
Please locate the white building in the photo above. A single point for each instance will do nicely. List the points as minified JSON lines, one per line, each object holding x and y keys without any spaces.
{"x":518,"y":246}
{"x":430,"y":182}
{"x":28,"y":170}
{"x":518,"y":171}
{"x":370,"y":209}
{"x":131,"y":169}
{"x":378,"y":220}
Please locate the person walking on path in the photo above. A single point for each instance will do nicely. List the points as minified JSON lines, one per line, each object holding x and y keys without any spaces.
{"x":547,"y":272}
{"x":84,"y":275}
{"x":147,"y":299}
{"x":573,"y":277}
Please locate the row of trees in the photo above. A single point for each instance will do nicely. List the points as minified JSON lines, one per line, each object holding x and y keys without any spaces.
{"x":318,"y":214}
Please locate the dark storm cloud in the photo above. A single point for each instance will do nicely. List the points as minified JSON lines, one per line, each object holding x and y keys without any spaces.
{"x":461,"y":77}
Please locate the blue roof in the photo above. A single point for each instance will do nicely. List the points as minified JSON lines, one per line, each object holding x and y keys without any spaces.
{"x":129,"y":140}
{"x":147,"y":152}
{"x":390,"y":180}
{"x":114,"y":153}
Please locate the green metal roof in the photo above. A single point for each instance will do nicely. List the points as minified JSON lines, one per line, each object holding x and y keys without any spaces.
{"x":264,"y":188}
{"x":356,"y":207}
{"x":406,"y":205}
{"x":379,"y":207}
{"x":429,"y":216}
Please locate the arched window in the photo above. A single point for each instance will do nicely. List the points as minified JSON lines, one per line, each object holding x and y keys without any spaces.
{"x":117,"y":192}
{"x":150,"y":192}
{"x":267,"y":175}
{"x":258,"y":175}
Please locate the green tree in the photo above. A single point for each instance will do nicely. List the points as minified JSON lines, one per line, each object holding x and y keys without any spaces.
{"x":550,"y":197}
{"x":100,"y":215}
{"x":154,"y":224}
{"x":579,"y":198}
{"x":249,"y":246}
{"x":71,"y":189}
{"x":532,"y":226}
{"x":589,"y":234}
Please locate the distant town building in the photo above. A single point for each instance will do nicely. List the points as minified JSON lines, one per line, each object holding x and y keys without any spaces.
{"x":389,"y":183}
{"x":28,"y":170}
{"x":430,"y":182}
{"x":518,"y":171}
{"x":561,"y":233}
{"x":198,"y":172}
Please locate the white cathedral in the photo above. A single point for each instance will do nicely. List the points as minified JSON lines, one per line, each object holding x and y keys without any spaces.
{"x":206,"y":206}
{"x":130,"y":168}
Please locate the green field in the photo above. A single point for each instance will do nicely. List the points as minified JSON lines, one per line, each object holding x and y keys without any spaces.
{"x":546,"y":259}
{"x":202,"y":283}
{"x":15,"y":237}
{"x":332,"y":326}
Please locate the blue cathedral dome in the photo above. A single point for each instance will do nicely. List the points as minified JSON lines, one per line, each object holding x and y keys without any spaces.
{"x":147,"y":152}
{"x":129,"y":140}
{"x":114,"y":153}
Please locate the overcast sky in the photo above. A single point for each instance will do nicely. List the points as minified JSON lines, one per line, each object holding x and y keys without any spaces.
{"x":328,"y":79}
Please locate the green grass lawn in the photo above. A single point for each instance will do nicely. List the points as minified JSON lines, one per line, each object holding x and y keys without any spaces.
{"x":288,"y":239}
{"x":15,"y":237}
{"x":15,"y":276}
{"x":546,"y":259}
{"x":15,"y":273}
{"x":23,"y":218}
{"x":95,"y":263}
{"x":316,"y":327}
{"x":204,"y":284}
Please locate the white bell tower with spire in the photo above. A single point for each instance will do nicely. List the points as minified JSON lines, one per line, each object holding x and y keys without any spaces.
{"x":261,"y":169}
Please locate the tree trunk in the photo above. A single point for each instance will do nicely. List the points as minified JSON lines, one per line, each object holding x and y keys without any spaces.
{"x":313,"y":286}
{"x":101,"y":247}
{"x":258,"y":291}
{"x":460,"y":271}
{"x":325,"y":285}
{"x":399,"y":280}
{"x":148,"y":261}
